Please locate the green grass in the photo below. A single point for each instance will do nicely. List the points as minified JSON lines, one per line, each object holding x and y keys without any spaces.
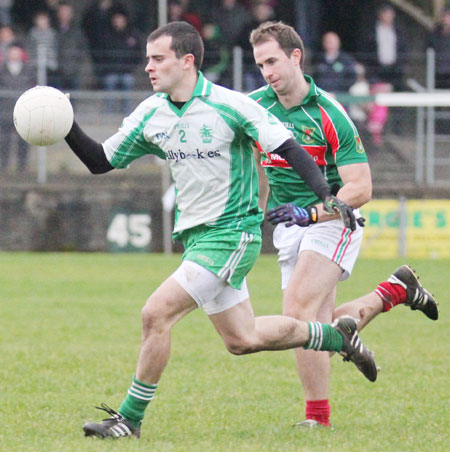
{"x":69,"y":338}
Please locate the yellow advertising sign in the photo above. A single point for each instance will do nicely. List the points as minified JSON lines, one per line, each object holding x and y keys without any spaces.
{"x":415,"y":228}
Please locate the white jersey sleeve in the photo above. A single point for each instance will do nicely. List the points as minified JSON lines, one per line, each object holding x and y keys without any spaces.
{"x":130,"y":142}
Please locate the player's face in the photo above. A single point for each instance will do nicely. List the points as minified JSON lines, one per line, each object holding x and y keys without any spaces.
{"x":280,"y":71}
{"x":164,"y":69}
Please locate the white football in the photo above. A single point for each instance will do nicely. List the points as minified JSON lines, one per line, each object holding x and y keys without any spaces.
{"x":43,"y":115}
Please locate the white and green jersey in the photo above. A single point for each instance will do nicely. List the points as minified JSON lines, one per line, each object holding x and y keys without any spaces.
{"x":208,"y":145}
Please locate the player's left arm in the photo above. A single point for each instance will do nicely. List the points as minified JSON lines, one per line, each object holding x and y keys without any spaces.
{"x":88,"y":150}
{"x":356,"y":191}
{"x":350,"y":157}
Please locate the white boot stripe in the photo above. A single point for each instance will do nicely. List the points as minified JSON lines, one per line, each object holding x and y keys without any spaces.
{"x":116,"y":431}
{"x":126,"y":429}
{"x":394,"y":280}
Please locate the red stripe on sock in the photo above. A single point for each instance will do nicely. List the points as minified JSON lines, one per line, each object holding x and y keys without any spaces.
{"x":391,"y":295}
{"x":318,"y":410}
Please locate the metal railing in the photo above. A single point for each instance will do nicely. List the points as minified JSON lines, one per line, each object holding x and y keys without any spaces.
{"x":419,"y":134}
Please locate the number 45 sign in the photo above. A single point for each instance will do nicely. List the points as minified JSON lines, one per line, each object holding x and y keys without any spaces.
{"x":129,"y":232}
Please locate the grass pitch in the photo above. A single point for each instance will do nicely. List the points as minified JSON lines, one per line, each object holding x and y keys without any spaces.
{"x":69,"y":339}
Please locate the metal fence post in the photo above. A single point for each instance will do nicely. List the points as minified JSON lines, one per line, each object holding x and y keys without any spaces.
{"x":238,"y":69}
{"x":402,"y":226}
{"x":42,"y":80}
{"x":162,"y":12}
{"x":430,"y":138}
{"x":420,"y":140}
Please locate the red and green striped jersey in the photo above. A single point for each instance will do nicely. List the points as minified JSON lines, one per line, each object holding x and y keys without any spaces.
{"x":322,"y":127}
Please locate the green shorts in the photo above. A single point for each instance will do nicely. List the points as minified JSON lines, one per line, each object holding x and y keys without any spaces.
{"x":229,"y":254}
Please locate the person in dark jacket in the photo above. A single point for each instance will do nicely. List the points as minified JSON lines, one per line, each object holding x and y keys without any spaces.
{"x":72,"y":47}
{"x":95,"y":24}
{"x":439,"y":40}
{"x":16,"y":75}
{"x":385,"y":50}
{"x":260,"y":12}
{"x":121,"y":55}
{"x":334,"y":69}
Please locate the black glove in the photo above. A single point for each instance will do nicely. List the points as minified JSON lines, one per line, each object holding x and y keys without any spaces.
{"x":292,"y":214}
{"x":332,"y":204}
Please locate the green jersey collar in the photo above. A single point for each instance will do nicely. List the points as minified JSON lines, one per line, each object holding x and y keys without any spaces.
{"x":202,"y":87}
{"x":312,"y":92}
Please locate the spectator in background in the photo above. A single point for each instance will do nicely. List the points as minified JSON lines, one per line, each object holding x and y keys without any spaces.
{"x":121,"y":56}
{"x":179,"y":11}
{"x":225,"y":23}
{"x":378,"y":115}
{"x":386,"y":50}
{"x":334,"y":70}
{"x":216,"y":58}
{"x":260,"y":11}
{"x":24,"y":11}
{"x":16,"y":75}
{"x":7,"y":36}
{"x":43,"y":47}
{"x":230,"y":17}
{"x":72,"y":47}
{"x":95,"y":24}
{"x":439,"y":40}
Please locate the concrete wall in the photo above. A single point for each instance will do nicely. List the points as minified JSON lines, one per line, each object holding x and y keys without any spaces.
{"x":55,"y":218}
{"x":79,"y":217}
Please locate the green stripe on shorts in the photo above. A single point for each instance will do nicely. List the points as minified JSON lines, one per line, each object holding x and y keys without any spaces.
{"x":229,"y":254}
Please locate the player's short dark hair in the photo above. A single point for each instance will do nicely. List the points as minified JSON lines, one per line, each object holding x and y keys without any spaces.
{"x":287,"y":38}
{"x":185,"y":39}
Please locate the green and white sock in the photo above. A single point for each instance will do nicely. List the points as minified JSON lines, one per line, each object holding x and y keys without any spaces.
{"x":139,"y":396}
{"x":323,"y":337}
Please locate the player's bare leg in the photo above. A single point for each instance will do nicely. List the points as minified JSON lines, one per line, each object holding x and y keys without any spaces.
{"x":244,"y":333}
{"x":165,"y":307}
{"x":314,"y":368}
{"x":401,"y":288}
{"x":168,"y":304}
{"x":365,"y":309}
{"x":310,"y":296}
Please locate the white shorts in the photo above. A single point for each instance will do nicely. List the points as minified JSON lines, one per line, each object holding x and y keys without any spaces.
{"x":209,"y":291}
{"x":329,"y":238}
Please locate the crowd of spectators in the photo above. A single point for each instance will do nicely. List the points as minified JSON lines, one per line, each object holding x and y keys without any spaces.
{"x":108,"y":38}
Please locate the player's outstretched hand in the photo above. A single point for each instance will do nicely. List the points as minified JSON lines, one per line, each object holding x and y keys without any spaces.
{"x":334,"y":205}
{"x":292,"y":214}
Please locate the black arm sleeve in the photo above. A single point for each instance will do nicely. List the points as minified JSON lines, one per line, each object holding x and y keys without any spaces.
{"x":88,"y":150}
{"x":304,"y":165}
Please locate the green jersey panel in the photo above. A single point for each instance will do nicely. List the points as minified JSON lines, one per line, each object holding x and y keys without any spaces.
{"x":323,"y":128}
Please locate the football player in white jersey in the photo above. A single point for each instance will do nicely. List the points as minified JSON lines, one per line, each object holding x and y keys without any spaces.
{"x":206,"y":132}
